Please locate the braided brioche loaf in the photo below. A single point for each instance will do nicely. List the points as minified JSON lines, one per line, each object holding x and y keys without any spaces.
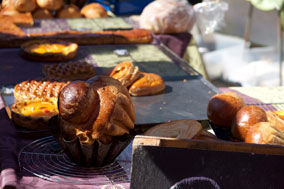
{"x":97,"y":109}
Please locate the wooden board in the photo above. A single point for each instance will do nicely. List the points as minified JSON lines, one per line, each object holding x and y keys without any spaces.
{"x":163,"y":162}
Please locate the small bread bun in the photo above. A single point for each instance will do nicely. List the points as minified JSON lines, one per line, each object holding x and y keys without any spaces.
{"x":9,"y":11}
{"x":181,"y":129}
{"x":42,"y":14}
{"x":264,"y":133}
{"x":94,"y":10}
{"x":222,"y":108}
{"x":24,"y":5}
{"x":50,"y":4}
{"x":69,"y":11}
{"x":246,"y":117}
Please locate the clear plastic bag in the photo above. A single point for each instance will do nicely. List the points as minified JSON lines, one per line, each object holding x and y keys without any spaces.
{"x":168,"y":16}
{"x":210,"y":15}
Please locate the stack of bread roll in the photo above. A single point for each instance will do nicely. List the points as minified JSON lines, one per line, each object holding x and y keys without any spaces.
{"x":248,"y":123}
{"x":46,"y":9}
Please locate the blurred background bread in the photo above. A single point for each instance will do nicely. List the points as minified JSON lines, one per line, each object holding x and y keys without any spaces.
{"x":50,"y":4}
{"x":69,"y":11}
{"x":94,"y":10}
{"x":42,"y":14}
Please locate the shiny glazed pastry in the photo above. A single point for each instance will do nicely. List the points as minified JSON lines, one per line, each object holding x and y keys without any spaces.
{"x":94,"y":10}
{"x":181,"y":129}
{"x":147,"y":84}
{"x":69,"y":71}
{"x":126,"y":73}
{"x":245,"y":118}
{"x":222,"y":108}
{"x":50,"y":4}
{"x":98,"y":109}
{"x":69,"y":11}
{"x":49,"y":51}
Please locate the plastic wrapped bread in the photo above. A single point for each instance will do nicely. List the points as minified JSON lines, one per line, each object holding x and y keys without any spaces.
{"x":167,"y":16}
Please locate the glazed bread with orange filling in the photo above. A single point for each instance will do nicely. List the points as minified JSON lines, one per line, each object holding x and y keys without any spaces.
{"x":180,"y":129}
{"x":49,"y":51}
{"x":79,"y":70}
{"x":147,"y":84}
{"x":126,"y":73}
{"x":98,"y":109}
{"x":34,"y":90}
{"x":50,"y":48}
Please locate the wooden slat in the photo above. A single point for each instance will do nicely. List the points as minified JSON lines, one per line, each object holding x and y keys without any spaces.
{"x":208,"y":145}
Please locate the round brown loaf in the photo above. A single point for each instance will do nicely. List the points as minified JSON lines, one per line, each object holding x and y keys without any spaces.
{"x":50,"y":4}
{"x":222,"y":108}
{"x":42,"y":14}
{"x":98,"y":109}
{"x":20,"y":5}
{"x":246,"y":117}
{"x":94,"y":10}
{"x":69,"y":11}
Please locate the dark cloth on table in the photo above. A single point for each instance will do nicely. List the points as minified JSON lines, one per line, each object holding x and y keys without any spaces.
{"x":176,"y":42}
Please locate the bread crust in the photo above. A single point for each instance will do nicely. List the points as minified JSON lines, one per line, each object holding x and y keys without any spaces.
{"x":181,"y":129}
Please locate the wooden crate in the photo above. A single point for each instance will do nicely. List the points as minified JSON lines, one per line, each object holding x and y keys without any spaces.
{"x":162,"y":162}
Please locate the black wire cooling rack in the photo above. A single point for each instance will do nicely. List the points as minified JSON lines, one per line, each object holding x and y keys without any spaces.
{"x":44,"y":158}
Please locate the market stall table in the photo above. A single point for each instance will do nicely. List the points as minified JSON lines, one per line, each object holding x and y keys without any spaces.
{"x":185,"y":90}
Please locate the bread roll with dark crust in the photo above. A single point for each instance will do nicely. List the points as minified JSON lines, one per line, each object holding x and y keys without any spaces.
{"x":246,"y":117}
{"x":264,"y":133}
{"x":147,"y":84}
{"x":222,"y":108}
{"x":98,"y":109}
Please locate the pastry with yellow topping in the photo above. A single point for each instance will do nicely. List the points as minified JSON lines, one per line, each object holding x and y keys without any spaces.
{"x":35,"y":103}
{"x":49,"y":51}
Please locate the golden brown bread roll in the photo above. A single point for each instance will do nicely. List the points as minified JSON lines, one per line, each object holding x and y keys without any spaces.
{"x":50,"y":4}
{"x":246,"y":117}
{"x":42,"y":14}
{"x":94,"y":10}
{"x":98,"y":109}
{"x":222,"y":108}
{"x":20,"y":5}
{"x":147,"y":84}
{"x":181,"y":129}
{"x":69,"y":11}
{"x":126,"y":73}
{"x":264,"y":133}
